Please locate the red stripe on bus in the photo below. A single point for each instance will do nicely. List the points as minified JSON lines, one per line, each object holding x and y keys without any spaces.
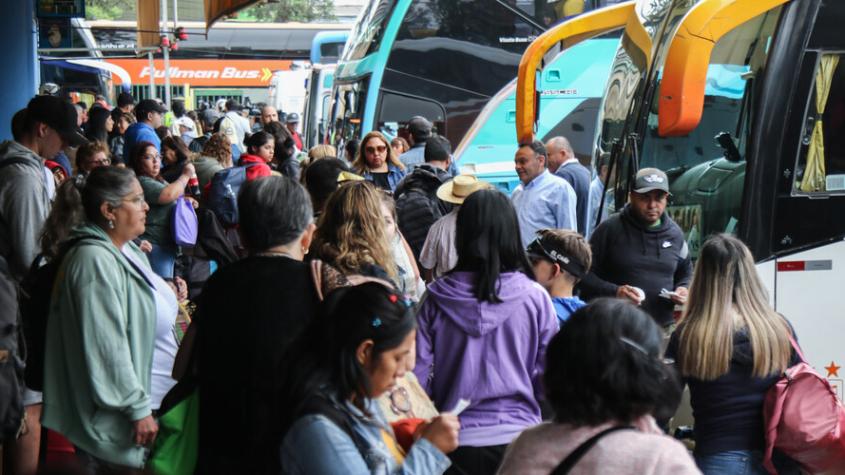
{"x":788,"y":266}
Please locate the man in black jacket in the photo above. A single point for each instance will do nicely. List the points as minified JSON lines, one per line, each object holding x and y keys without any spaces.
{"x":417,"y":205}
{"x":640,"y":254}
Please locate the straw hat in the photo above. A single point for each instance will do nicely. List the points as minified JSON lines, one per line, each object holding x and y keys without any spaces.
{"x":457,"y":189}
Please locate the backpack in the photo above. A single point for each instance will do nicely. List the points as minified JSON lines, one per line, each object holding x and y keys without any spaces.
{"x":804,"y":419}
{"x":223,"y":193}
{"x":34,"y":302}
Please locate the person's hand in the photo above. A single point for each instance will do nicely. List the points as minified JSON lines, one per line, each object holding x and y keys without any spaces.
{"x":193,"y":202}
{"x":681,"y":294}
{"x":146,"y":246}
{"x":145,"y":431}
{"x":442,"y":432}
{"x":188,"y":170}
{"x":629,"y":293}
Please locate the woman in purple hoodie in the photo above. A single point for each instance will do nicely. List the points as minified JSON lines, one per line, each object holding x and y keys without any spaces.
{"x":482,"y":335}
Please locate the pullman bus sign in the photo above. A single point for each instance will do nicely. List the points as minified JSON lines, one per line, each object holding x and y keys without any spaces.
{"x":200,"y":72}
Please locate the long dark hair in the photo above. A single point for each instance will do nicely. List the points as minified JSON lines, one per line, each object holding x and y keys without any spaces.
{"x":488,"y":242}
{"x":96,"y":127}
{"x":323,"y":362}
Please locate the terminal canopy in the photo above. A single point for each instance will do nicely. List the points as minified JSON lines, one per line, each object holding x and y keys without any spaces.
{"x":149,"y":16}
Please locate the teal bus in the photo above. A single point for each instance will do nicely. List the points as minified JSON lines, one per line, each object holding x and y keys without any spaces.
{"x":449,"y":61}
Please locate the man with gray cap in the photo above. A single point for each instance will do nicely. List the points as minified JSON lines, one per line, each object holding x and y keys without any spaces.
{"x":419,"y":130}
{"x":640,"y":254}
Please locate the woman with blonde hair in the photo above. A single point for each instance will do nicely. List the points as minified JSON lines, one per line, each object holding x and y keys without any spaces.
{"x":377,"y":162}
{"x":730,"y":347}
{"x":351,"y":235}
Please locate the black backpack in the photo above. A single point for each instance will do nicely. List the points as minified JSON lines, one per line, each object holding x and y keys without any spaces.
{"x":34,"y":301}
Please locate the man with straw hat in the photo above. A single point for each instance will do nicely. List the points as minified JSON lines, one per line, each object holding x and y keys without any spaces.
{"x":438,"y":255}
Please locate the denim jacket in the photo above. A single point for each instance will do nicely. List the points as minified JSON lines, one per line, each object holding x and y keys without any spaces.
{"x":394,"y":175}
{"x":315,"y":445}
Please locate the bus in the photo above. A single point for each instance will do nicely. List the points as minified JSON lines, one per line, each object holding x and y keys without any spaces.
{"x":318,"y":94}
{"x":745,"y":121}
{"x":327,"y":46}
{"x":441,"y":60}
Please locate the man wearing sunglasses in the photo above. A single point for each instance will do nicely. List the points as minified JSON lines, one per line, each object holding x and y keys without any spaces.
{"x":640,"y":254}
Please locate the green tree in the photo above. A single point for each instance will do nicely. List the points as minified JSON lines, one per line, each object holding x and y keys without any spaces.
{"x":108,"y":9}
{"x":290,"y":10}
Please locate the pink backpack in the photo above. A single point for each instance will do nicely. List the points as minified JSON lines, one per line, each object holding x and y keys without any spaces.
{"x":805,"y":420}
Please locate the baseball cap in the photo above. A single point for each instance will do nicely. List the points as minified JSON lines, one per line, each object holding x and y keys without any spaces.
{"x":148,"y":105}
{"x":457,"y":189}
{"x":419,"y":127}
{"x":649,"y":179}
{"x":292,"y":118}
{"x":59,"y":114}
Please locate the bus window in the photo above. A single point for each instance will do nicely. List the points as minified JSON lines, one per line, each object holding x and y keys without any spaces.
{"x":706,"y":168}
{"x":348,"y":107}
{"x":551,"y":12}
{"x":821,"y":158}
{"x":396,"y":109}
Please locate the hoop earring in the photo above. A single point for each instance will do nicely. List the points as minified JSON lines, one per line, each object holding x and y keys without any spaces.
{"x":111,"y":224}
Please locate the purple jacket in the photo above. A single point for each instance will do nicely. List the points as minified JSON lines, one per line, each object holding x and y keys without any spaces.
{"x":490,"y":354}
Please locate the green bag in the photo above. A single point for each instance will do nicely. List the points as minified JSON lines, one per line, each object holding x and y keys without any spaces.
{"x":175,"y":448}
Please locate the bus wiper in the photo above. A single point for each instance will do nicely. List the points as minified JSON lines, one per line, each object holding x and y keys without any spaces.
{"x":726,"y":142}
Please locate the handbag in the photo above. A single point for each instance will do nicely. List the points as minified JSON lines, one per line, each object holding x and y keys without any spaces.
{"x":175,"y":449}
{"x":804,"y":419}
{"x":184,"y":223}
{"x":569,"y":462}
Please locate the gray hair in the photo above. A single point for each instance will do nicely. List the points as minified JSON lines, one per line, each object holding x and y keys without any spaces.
{"x":105,"y":185}
{"x":273,"y":211}
{"x":561,"y":143}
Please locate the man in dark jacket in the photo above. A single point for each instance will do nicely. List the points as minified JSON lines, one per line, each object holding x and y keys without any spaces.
{"x":563,"y":163}
{"x":640,"y":254}
{"x":417,"y":205}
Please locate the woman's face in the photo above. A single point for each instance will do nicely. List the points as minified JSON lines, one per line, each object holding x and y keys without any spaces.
{"x":109,"y":123}
{"x":389,"y":366}
{"x":151,"y":162}
{"x":99,"y":159}
{"x":375,"y":153}
{"x":131,"y":216}
{"x":122,"y":125}
{"x":169,"y":155}
{"x":397,"y":148}
{"x":266,"y":151}
{"x":389,"y":223}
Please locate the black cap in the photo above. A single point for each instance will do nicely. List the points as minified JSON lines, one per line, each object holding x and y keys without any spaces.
{"x":437,"y":148}
{"x":419,"y":127}
{"x":146,"y":106}
{"x":292,"y":118}
{"x":649,"y":179}
{"x":544,"y":249}
{"x":59,"y":114}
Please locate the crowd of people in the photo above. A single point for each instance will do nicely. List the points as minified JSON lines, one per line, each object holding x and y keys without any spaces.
{"x":362,"y":310}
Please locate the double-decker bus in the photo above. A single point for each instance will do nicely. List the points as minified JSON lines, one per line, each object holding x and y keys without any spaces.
{"x":446,"y":61}
{"x":325,"y":51}
{"x":741,"y":103}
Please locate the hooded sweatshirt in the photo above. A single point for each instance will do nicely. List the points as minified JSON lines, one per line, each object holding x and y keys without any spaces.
{"x":491,"y":354}
{"x":627,"y":252}
{"x":417,"y":205}
{"x":24,"y":205}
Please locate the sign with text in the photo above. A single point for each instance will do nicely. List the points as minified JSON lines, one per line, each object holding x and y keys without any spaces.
{"x":203,"y":72}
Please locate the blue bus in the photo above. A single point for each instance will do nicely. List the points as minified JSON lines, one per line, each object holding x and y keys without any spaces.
{"x":327,"y":46}
{"x":448,"y":61}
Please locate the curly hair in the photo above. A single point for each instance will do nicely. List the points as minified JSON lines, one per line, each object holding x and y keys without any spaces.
{"x":360,"y":163}
{"x":350,"y":233}
{"x":219,"y":148}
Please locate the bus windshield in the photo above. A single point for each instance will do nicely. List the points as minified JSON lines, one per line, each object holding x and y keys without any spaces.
{"x":366,"y":35}
{"x":551,"y":12}
{"x":706,"y":168}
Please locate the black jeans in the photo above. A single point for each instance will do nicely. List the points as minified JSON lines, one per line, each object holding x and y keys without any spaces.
{"x":476,"y":460}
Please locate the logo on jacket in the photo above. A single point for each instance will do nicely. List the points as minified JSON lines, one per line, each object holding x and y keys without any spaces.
{"x":654,"y":178}
{"x":666,"y":244}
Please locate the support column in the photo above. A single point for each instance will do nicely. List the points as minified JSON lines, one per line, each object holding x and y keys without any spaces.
{"x":20,"y":61}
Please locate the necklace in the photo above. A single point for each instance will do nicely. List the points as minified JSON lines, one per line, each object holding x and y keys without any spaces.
{"x":276,"y":253}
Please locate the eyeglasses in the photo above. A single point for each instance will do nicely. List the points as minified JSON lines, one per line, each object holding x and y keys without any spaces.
{"x":102,"y":161}
{"x":378,"y":148}
{"x":137,"y":200}
{"x":152,"y":157}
